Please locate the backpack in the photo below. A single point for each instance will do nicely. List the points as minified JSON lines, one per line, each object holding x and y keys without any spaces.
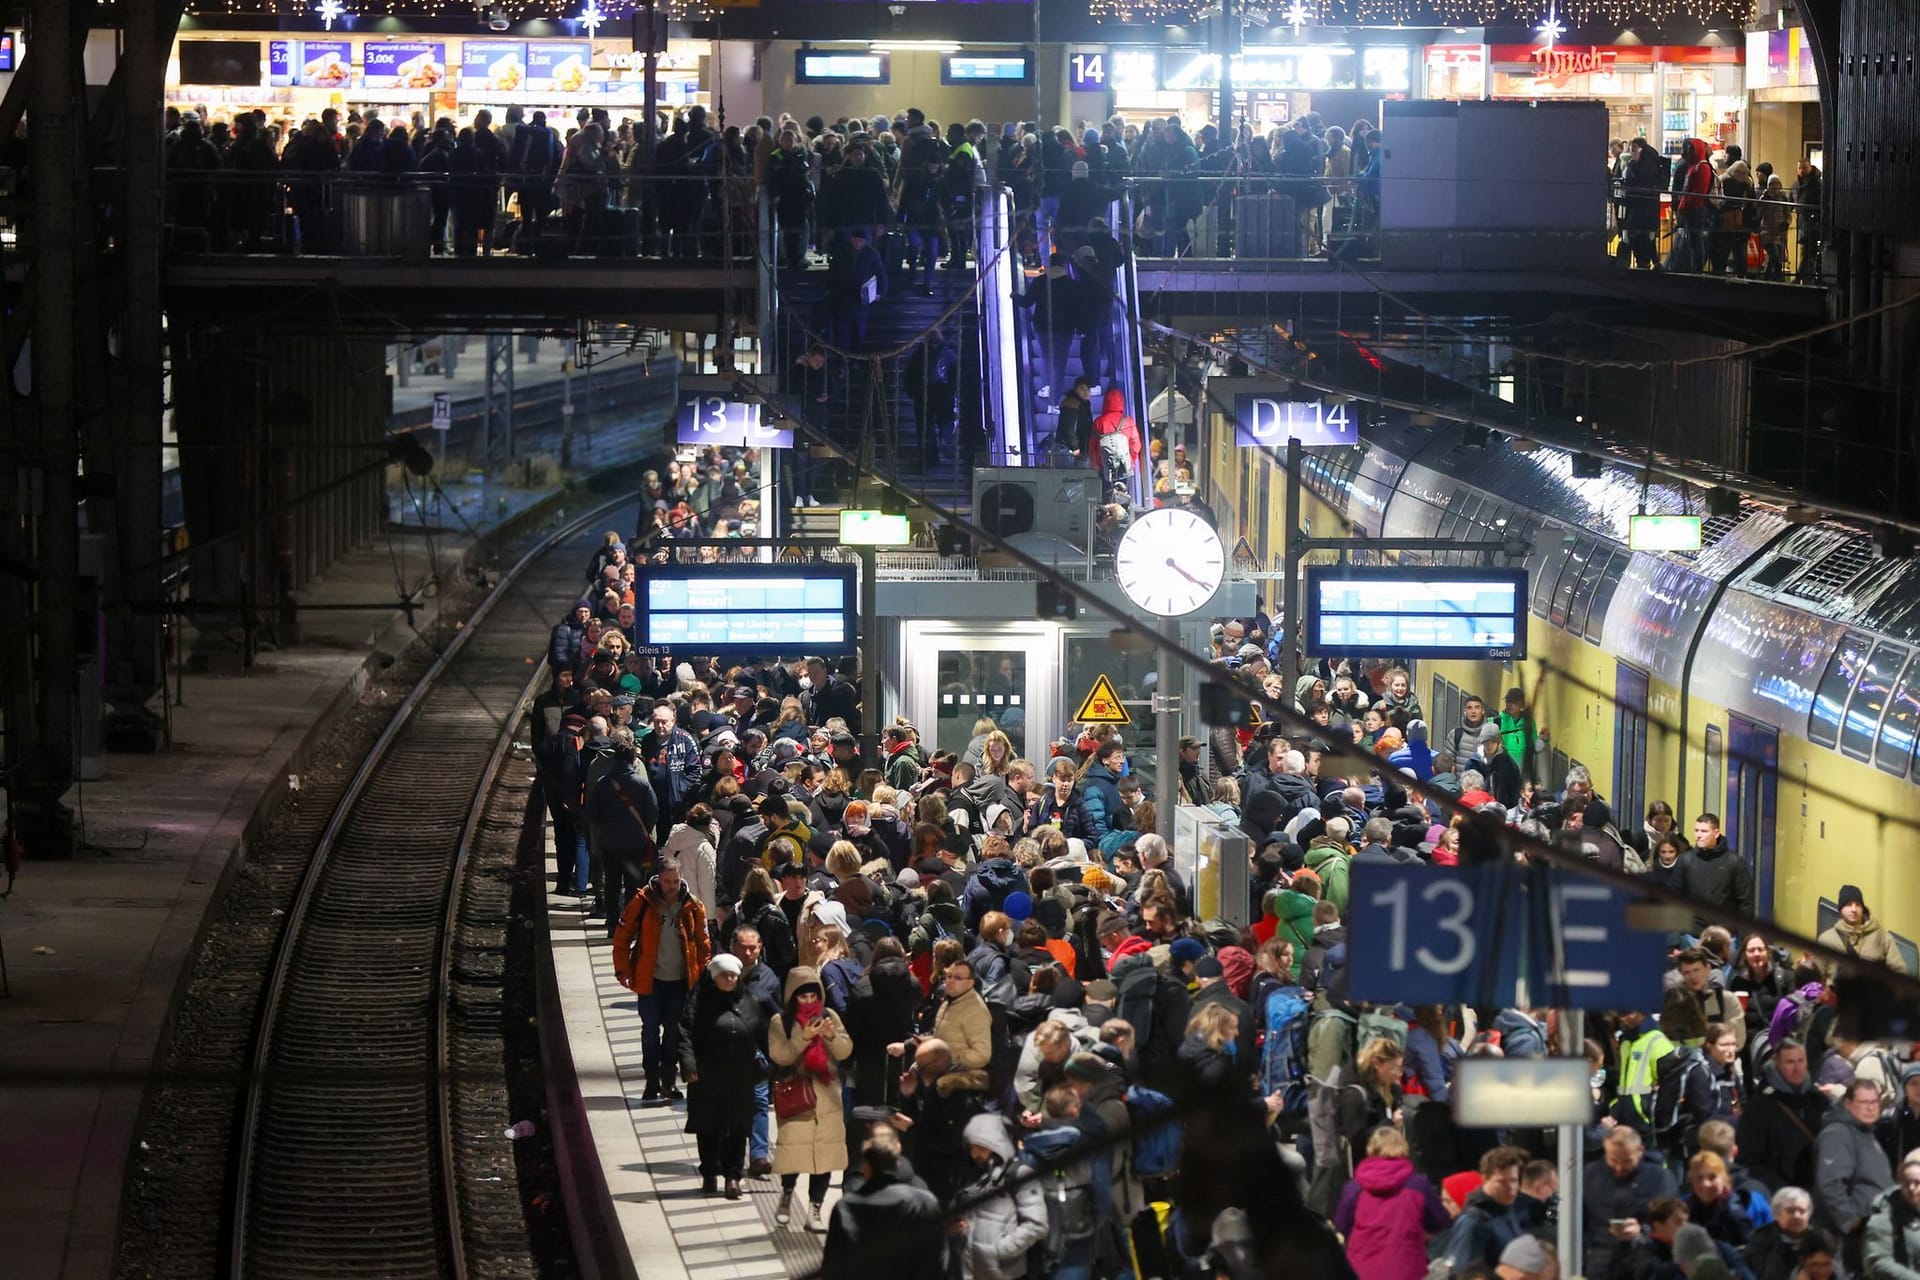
{"x":1283,"y":1045}
{"x":1115,"y":453}
{"x":1716,"y":194}
{"x":1068,"y":1192}
{"x":1381,"y":1024}
{"x":1155,"y":1128}
{"x":1149,"y":1002}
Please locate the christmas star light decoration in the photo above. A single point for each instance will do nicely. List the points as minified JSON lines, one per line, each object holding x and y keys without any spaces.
{"x":591,"y":17}
{"x":329,"y":11}
{"x":1552,"y":28}
{"x":1298,"y":16}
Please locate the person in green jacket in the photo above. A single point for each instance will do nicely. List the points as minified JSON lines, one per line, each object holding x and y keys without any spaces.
{"x":1328,"y":858}
{"x":1517,"y":730}
{"x":1294,"y":910}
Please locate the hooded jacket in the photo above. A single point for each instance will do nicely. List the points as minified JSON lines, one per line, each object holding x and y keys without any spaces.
{"x":1000,"y":1227}
{"x":1850,"y":1170}
{"x":1386,"y":1214}
{"x":692,"y":848}
{"x":1114,"y":418}
{"x":881,"y":1228}
{"x":1330,"y":862}
{"x":1892,"y":1248}
{"x":1697,"y":182}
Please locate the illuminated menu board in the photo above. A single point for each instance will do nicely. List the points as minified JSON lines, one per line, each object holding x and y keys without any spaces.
{"x":403,"y":65}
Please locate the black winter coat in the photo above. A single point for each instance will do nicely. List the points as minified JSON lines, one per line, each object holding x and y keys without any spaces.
{"x":880,"y":1012}
{"x":723,"y":1035}
{"x":1777,"y":1130}
{"x":621,"y":808}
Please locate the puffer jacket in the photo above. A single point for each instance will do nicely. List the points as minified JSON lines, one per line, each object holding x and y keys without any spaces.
{"x":1850,"y":1170}
{"x":1892,"y":1248}
{"x":966,"y":1025}
{"x":637,"y":942}
{"x":1386,"y":1214}
{"x":693,"y":849}
{"x":1329,"y":861}
{"x":1012,"y":1217}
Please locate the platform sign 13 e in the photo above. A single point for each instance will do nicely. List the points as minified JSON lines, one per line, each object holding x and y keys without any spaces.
{"x":1457,"y":935}
{"x":1273,"y":420}
{"x":708,"y":419}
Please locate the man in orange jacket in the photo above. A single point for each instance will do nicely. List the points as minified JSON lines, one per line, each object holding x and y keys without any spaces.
{"x":660,"y":948}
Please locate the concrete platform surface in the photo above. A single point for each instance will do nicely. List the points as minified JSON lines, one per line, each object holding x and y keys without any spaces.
{"x":649,"y":1162}
{"x":96,"y":946}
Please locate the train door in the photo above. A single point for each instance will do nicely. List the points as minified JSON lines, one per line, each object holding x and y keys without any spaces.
{"x":1629,"y":746}
{"x":1753,"y":762}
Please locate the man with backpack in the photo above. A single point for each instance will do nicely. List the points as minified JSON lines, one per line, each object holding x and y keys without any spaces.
{"x":1116,"y":440}
{"x":1078,"y":1187}
{"x":1155,"y":1004}
{"x":1781,"y":1118}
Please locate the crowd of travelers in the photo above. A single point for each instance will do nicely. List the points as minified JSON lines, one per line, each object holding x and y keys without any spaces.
{"x":1726,"y":218}
{"x":972,"y":986}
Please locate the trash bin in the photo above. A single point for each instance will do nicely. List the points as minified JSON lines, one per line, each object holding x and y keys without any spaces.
{"x":385,"y":222}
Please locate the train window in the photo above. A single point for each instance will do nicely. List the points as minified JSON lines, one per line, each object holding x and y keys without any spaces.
{"x":1605,"y":583}
{"x":1543,"y":565}
{"x":1862,"y":721}
{"x":1572,"y":573}
{"x":1823,"y":722}
{"x":1897,"y":731}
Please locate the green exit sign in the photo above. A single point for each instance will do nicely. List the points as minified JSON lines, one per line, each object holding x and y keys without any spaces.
{"x":873,"y":529}
{"x":1663,"y":533}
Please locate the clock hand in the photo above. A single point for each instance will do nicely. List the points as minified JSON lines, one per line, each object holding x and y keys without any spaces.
{"x":1183,"y":573}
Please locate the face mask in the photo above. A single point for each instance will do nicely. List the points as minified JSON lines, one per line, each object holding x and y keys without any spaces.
{"x":806,"y":682}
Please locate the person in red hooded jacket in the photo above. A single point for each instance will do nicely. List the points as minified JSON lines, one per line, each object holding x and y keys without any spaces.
{"x":1114,"y":421}
{"x":1694,"y":190}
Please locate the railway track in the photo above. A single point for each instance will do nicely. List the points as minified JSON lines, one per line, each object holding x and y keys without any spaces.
{"x":358,"y":1149}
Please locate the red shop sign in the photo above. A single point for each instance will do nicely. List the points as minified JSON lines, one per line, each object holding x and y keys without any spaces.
{"x":1612,"y":54}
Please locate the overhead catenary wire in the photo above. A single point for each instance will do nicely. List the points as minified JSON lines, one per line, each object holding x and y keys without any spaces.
{"x":1840,"y":960}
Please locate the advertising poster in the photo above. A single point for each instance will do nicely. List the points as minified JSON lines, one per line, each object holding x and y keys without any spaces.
{"x":500,"y":65}
{"x":314,"y":64}
{"x":401,"y":65}
{"x":560,"y":65}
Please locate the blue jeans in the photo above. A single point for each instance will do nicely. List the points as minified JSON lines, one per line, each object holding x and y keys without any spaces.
{"x":758,"y":1147}
{"x":660,"y":1028}
{"x":1076,"y":1263}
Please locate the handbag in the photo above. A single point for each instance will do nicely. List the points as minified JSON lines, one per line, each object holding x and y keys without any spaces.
{"x":1756,"y":253}
{"x":793,"y":1097}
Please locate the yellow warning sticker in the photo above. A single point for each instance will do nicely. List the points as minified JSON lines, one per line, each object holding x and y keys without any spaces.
{"x":1102,"y":706}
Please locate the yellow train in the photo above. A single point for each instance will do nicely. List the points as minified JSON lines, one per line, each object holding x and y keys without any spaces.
{"x":1793,"y":647}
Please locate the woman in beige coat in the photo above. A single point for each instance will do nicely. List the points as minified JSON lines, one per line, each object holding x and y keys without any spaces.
{"x":805,"y":1040}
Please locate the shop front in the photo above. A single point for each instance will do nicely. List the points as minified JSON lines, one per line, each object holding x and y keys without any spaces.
{"x":1664,"y":93}
{"x":1273,"y":84}
{"x":293,"y":77}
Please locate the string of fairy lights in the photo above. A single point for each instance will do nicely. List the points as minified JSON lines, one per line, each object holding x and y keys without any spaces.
{"x":587,"y":15}
{"x":1552,"y":19}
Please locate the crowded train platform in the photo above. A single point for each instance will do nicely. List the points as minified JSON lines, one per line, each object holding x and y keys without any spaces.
{"x":1126,"y":640}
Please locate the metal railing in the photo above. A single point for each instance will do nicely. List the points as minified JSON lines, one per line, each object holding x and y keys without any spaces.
{"x":436,"y":213}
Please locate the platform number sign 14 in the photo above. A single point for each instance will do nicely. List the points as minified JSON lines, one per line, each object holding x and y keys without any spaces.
{"x":1087,"y":72}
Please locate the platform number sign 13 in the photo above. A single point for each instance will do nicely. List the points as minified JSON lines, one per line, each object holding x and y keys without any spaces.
{"x":1087,"y":71}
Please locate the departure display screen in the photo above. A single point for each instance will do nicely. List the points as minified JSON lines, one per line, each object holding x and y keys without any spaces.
{"x":1417,"y":612}
{"x":749,"y":609}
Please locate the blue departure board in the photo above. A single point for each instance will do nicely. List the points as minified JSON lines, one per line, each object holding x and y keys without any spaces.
{"x":1417,"y":612}
{"x":749,"y":609}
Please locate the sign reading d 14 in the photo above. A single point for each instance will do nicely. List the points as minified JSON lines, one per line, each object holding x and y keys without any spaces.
{"x":1274,"y":420}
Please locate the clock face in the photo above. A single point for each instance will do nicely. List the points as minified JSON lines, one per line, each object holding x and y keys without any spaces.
{"x":1170,"y":562}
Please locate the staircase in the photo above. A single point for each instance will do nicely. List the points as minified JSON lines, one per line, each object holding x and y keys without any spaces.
{"x":875,"y":403}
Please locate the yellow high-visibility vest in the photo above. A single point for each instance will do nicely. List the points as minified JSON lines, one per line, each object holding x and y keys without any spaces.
{"x":1640,"y":1068}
